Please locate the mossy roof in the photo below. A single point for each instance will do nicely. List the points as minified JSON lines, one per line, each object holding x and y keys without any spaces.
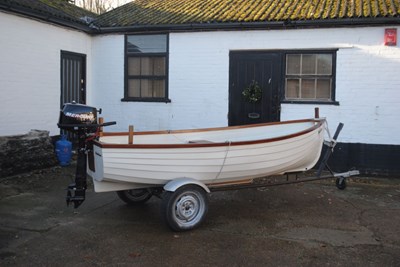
{"x":49,"y":9}
{"x":176,"y":12}
{"x":148,"y":15}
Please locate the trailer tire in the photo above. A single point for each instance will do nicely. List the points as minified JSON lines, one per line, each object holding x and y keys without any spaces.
{"x":341,"y":183}
{"x":135,"y":196}
{"x":185,"y":209}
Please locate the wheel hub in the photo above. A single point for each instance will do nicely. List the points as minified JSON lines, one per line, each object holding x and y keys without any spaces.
{"x":187,"y":208}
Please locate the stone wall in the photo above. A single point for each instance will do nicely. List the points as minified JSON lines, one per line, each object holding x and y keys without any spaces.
{"x":27,"y":152}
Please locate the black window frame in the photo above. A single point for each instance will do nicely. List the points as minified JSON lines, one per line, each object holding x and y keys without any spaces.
{"x":127,"y":55}
{"x":332,"y":101}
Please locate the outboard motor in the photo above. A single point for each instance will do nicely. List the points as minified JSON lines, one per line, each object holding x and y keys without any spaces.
{"x":82,"y":121}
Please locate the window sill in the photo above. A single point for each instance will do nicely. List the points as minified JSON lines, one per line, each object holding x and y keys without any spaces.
{"x":335,"y":103}
{"x":139,"y":99}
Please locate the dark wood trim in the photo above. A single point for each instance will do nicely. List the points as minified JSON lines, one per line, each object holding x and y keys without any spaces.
{"x":317,"y":124}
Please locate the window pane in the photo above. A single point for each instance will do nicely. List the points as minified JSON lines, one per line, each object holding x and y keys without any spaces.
{"x":308,"y":88}
{"x":134,"y":88}
{"x":324,"y":89}
{"x":324,"y":64}
{"x":146,"y":66}
{"x":158,"y":88}
{"x":134,"y":66}
{"x":159,"y":65}
{"x":147,"y":44}
{"x":309,"y":76}
{"x":308,"y":64}
{"x":292,"y":88}
{"x":146,"y":88}
{"x":293,"y":64}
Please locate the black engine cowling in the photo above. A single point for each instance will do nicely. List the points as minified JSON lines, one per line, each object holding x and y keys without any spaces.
{"x":81,"y":120}
{"x":74,"y":117}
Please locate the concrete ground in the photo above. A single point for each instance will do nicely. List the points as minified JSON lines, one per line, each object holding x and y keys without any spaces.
{"x":310,"y":224}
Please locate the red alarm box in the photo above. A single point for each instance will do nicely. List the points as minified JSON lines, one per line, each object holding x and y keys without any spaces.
{"x":390,"y":37}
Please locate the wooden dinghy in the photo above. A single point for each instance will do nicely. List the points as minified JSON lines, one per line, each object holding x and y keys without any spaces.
{"x":214,"y":156}
{"x":181,"y":167}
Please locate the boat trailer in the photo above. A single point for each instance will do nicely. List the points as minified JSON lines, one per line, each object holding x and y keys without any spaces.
{"x":190,"y":209}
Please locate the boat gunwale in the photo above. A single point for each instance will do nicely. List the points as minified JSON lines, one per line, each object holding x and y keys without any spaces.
{"x":319,"y":123}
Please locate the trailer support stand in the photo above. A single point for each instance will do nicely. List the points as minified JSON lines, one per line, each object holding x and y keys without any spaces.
{"x":329,"y":151}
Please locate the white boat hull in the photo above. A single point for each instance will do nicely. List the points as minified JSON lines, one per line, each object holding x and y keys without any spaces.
{"x":272,"y":149}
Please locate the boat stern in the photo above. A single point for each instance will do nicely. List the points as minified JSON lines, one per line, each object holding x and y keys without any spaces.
{"x":95,"y":163}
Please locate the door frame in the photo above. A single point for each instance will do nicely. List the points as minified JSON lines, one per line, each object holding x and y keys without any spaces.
{"x":277,"y":86}
{"x":82,"y":90}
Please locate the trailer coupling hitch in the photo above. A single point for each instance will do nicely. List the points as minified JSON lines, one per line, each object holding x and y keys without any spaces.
{"x":75,"y":194}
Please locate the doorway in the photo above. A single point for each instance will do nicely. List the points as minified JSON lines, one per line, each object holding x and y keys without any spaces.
{"x":260,"y":70}
{"x":73,"y":78}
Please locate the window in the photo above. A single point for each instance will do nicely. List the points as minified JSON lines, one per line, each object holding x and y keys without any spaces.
{"x":146,"y":68}
{"x":310,"y":77}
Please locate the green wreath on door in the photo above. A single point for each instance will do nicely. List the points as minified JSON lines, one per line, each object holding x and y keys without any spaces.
{"x":252,"y":93}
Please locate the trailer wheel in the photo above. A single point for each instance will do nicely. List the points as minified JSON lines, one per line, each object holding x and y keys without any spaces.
{"x":184,"y":209}
{"x":134,"y":196}
{"x":341,"y":183}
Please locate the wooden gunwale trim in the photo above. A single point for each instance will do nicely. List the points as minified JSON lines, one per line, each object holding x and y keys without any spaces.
{"x":221,"y":184}
{"x":209,"y":129}
{"x":319,"y":123}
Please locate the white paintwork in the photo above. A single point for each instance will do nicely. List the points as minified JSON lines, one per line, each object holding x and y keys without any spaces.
{"x":208,"y":164}
{"x":30,"y":72}
{"x":367,"y":80}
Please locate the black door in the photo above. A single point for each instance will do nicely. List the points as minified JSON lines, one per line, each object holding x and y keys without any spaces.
{"x":259,"y":74}
{"x":73,"y":78}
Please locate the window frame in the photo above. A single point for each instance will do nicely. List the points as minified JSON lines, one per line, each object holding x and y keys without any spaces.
{"x":332,"y":101}
{"x":127,"y":77}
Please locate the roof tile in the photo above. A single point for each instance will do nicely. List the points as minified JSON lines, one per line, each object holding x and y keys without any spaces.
{"x":49,"y":8}
{"x":171,"y":12}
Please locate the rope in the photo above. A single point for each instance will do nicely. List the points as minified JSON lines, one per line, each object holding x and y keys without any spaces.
{"x":332,"y":143}
{"x":327,"y":130}
{"x":223,"y":163}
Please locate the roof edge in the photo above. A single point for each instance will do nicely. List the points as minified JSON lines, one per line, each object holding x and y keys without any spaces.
{"x":31,"y":14}
{"x":92,"y":28}
{"x":267,"y":25}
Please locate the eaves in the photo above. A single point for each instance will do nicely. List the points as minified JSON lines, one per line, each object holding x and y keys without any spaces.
{"x":47,"y":18}
{"x":267,"y":25}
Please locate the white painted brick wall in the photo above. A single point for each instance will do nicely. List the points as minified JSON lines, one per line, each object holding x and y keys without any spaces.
{"x":367,"y":81}
{"x":30,"y":72}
